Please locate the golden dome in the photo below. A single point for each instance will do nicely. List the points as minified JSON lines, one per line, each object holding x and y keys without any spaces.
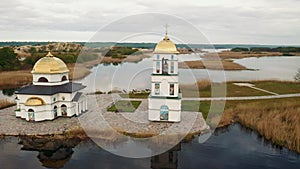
{"x":165,"y":46}
{"x":34,"y":101}
{"x":50,"y":65}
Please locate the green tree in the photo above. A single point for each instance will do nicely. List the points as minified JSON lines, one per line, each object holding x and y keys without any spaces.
{"x":8,"y":59}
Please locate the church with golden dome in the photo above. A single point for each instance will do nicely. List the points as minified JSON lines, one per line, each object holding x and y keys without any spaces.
{"x":165,"y":98}
{"x":51,"y":95}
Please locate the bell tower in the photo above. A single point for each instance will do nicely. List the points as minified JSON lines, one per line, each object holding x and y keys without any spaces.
{"x":165,"y":99}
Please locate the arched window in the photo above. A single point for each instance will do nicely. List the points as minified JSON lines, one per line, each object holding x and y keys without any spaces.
{"x":64,"y":110}
{"x":43,"y":79}
{"x":64,"y":78}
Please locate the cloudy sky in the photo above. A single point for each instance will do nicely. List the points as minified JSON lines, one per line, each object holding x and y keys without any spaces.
{"x":220,"y":21}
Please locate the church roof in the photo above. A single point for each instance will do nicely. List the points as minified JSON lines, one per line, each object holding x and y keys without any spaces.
{"x":77,"y":96}
{"x":165,"y":46}
{"x":50,"y":90}
{"x":50,"y":65}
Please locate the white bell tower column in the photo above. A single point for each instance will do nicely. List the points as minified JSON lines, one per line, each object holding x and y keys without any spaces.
{"x":165,"y":99}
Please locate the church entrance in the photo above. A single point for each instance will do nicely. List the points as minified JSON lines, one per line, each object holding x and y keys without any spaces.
{"x":164,"y":112}
{"x":31,"y":115}
{"x":64,"y":110}
{"x":55,"y":111}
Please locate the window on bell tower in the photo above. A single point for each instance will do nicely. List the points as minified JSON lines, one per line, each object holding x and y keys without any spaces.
{"x":157,"y":67}
{"x":172,"y":67}
{"x":156,"y":88}
{"x":165,"y":66}
{"x":172,"y":89}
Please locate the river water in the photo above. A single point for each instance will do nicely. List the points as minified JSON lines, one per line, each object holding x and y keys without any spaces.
{"x":128,"y":76}
{"x":233,"y":147}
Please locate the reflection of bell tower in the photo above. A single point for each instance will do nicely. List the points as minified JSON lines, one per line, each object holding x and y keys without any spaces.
{"x":167,"y":160}
{"x":165,"y":99}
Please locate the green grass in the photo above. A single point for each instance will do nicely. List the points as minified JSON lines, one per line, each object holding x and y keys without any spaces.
{"x":124,"y":106}
{"x":279,"y":87}
{"x":232,"y":90}
{"x":196,"y":106}
{"x":135,"y":95}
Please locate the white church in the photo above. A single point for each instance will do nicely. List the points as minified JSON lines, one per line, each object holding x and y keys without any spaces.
{"x":51,"y":95}
{"x":165,"y":99}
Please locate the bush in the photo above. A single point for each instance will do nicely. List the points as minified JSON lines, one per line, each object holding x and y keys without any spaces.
{"x":240,"y":50}
{"x":119,"y":52}
{"x":8,"y":59}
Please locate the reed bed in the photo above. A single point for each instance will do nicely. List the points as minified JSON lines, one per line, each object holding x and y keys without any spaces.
{"x":277,"y":119}
{"x":5,"y":103}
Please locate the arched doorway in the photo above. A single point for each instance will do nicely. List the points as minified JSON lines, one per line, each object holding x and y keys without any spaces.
{"x":64,"y":110}
{"x":55,"y":111}
{"x":31,"y":115}
{"x":43,"y":79}
{"x":164,"y":112}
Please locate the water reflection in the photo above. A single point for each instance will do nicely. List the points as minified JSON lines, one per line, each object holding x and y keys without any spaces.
{"x":51,"y":153}
{"x":168,"y":159}
{"x":231,"y":147}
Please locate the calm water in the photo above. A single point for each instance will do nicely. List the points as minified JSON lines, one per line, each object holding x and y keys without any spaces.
{"x":128,"y":76}
{"x":234,"y":147}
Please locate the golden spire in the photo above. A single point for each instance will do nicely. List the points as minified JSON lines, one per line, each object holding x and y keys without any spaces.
{"x":49,"y":54}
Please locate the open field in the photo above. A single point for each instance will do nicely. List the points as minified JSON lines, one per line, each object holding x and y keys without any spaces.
{"x":279,"y":87}
{"x":204,"y":88}
{"x":212,"y":64}
{"x":124,"y":106}
{"x":13,"y":79}
{"x":240,"y":55}
{"x":126,"y":58}
{"x":135,"y":95}
{"x":4,"y":103}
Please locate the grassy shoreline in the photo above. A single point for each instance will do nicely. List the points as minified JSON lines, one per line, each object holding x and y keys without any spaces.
{"x":213,"y":65}
{"x":5,"y":103}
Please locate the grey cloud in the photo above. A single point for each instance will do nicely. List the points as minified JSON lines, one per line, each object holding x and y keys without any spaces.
{"x":241,"y":21}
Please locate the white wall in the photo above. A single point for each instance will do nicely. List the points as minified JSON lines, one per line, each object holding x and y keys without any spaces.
{"x":53,"y":79}
{"x":164,"y":88}
{"x":156,"y":103}
{"x":174,"y":116}
{"x":46,"y":112}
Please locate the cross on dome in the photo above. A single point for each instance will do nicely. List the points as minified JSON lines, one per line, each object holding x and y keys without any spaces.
{"x":166,"y":27}
{"x":49,"y":54}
